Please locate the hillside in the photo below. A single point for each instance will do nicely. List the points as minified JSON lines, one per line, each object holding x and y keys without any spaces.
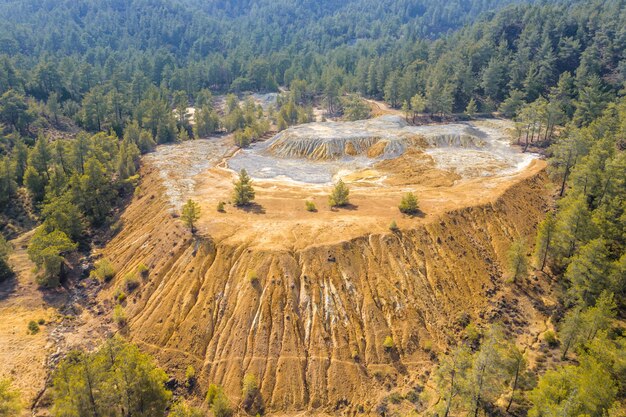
{"x":252,"y":207}
{"x":305,"y":305}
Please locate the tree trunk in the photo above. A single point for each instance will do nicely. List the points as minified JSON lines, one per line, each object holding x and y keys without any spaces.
{"x":566,"y":173}
{"x":519,"y":361}
{"x":545,"y":253}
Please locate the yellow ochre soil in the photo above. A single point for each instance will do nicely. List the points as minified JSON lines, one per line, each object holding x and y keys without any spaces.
{"x":304,"y":300}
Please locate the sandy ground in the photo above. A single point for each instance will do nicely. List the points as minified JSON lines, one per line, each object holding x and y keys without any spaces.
{"x":22,"y":355}
{"x":278,"y":219}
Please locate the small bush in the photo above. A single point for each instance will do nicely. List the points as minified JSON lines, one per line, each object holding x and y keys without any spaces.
{"x":388,"y":344}
{"x":550,"y":338}
{"x":310,"y":206}
{"x":220,"y":406}
{"x":221,"y":207}
{"x":190,"y":377}
{"x":143,"y":270}
{"x":252,"y":276}
{"x":395,"y":398}
{"x":408,"y":204}
{"x":428,"y":346}
{"x":119,"y":316}
{"x":104,"y":270}
{"x":131,"y":282}
{"x":212,"y":393}
{"x":251,"y":399}
{"x":41,"y":322}
{"x":472,"y":333}
{"x":393,"y":226}
{"x":120,"y":296}
{"x":33,"y":327}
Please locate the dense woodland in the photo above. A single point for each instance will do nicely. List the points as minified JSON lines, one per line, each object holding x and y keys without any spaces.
{"x":87,"y":86}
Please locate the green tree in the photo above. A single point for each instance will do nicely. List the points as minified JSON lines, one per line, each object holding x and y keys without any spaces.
{"x":10,"y":402}
{"x":243,"y":193}
{"x":418,"y":105}
{"x":513,"y":104}
{"x":471,"y":108}
{"x":206,"y":122}
{"x":47,"y":250}
{"x":116,"y":380}
{"x":339,"y":197}
{"x":543,"y":241}
{"x":517,"y":262}
{"x":588,"y":271}
{"x":190,"y":214}
{"x":5,"y":268}
{"x":182,"y":409}
{"x":8,"y":186}
{"x":409,"y":205}
{"x":14,"y":110}
{"x":451,"y":376}
{"x":61,"y":214}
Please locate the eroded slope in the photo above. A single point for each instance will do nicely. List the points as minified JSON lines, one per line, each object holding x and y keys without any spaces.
{"x":309,"y":319}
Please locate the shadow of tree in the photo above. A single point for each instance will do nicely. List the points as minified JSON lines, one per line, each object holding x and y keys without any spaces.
{"x":253,"y":208}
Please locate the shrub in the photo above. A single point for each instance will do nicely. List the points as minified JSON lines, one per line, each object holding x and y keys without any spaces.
{"x":310,"y":206}
{"x":10,"y":401}
{"x":550,"y":338}
{"x":408,"y":204}
{"x":221,"y":207}
{"x":33,"y":327}
{"x":131,"y":282}
{"x":212,"y":393}
{"x":388,"y":343}
{"x":251,"y":399}
{"x":104,"y":270}
{"x":393,"y":226}
{"x":143,"y":270}
{"x":395,"y":398}
{"x":190,"y":377}
{"x":41,"y":322}
{"x":252,"y":276}
{"x":472,"y":333}
{"x":220,"y":406}
{"x":120,"y":296}
{"x":339,"y":196}
{"x":119,"y":316}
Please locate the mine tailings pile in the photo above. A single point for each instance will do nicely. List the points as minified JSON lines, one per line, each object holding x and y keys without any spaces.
{"x":310,"y":323}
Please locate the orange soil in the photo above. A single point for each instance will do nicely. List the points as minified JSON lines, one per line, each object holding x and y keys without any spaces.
{"x":304,"y":300}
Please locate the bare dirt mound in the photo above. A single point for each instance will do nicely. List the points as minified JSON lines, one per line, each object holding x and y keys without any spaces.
{"x":305,"y":303}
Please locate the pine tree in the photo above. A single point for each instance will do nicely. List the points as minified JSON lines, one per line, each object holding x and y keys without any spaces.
{"x":190,"y":214}
{"x":243,"y":194}
{"x":517,"y":262}
{"x":471,"y":108}
{"x":47,"y":250}
{"x":409,"y":204}
{"x":543,"y":243}
{"x":339,"y":196}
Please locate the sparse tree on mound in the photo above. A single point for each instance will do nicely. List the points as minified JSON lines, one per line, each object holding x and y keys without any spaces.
{"x":243,"y":194}
{"x":191,"y":213}
{"x":409,"y":204}
{"x":339,"y":196}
